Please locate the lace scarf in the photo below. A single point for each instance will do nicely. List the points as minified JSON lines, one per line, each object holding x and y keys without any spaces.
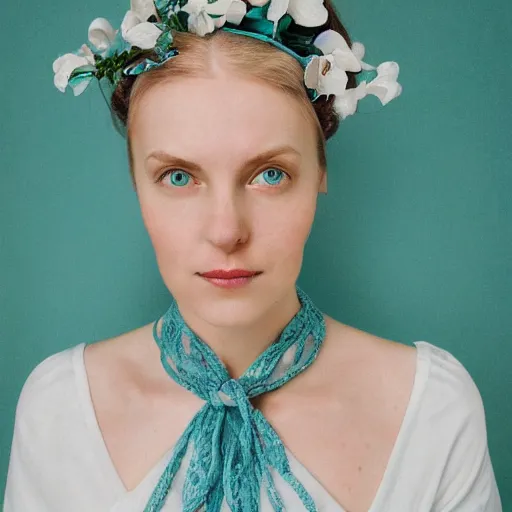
{"x":234,"y":446}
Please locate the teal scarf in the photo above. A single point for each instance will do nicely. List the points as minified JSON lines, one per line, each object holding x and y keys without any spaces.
{"x":233,"y":444}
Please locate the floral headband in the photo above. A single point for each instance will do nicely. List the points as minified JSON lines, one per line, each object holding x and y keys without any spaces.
{"x":294,"y":26}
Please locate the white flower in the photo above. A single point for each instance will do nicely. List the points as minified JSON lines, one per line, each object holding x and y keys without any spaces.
{"x":101,"y":34}
{"x":237,"y":10}
{"x":201,"y":23}
{"x":135,"y":28}
{"x":345,"y":104}
{"x":358,"y":50}
{"x":308,"y":13}
{"x":327,"y":74}
{"x":385,"y":85}
{"x":66,"y":64}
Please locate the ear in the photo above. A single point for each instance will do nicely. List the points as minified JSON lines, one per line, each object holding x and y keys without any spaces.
{"x":323,"y":183}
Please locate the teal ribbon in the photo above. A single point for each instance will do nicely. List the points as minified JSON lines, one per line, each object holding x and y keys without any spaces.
{"x":312,"y":93}
{"x":163,"y":50}
{"x":294,"y":40}
{"x":234,"y":446}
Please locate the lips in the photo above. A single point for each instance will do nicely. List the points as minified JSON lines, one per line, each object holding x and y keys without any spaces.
{"x":229,"y":274}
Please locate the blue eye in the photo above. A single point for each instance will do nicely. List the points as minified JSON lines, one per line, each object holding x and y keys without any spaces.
{"x":272,"y":176}
{"x":178,"y":178}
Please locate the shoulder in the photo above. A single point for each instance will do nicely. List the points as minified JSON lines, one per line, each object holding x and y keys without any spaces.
{"x":123,"y":363}
{"x":47,"y":414}
{"x":440,"y":380}
{"x":450,"y":390}
{"x":451,"y":424}
{"x":451,"y":414}
{"x":49,"y":384}
{"x":430,"y":394}
{"x":376,"y":368}
{"x":126,"y":369}
{"x":49,"y":442}
{"x":425,"y":381}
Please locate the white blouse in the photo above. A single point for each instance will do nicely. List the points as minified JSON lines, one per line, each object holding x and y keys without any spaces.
{"x":439,"y":463}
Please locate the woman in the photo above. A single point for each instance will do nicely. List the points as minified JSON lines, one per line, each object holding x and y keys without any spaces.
{"x":269,"y":403}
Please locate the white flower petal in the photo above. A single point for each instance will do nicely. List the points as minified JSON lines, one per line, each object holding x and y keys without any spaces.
{"x":219,"y":22}
{"x":385,"y":85}
{"x":61,"y":82}
{"x":346,"y":60}
{"x":59,"y":62}
{"x":144,"y":35}
{"x":334,"y":82}
{"x":64,"y":66}
{"x":358,"y":50}
{"x":101,"y":33}
{"x":388,"y":69}
{"x":258,"y":3}
{"x":143,"y":8}
{"x":277,"y":10}
{"x":330,"y":40}
{"x":366,"y":66}
{"x":131,"y":19}
{"x":86,"y":52}
{"x":385,"y":93}
{"x":236,"y":12}
{"x":308,"y":13}
{"x":194,"y":6}
{"x":220,"y":7}
{"x":311,"y":72}
{"x":346,"y":104}
{"x":80,"y":88}
{"x":136,"y":31}
{"x":200,"y":24}
{"x":83,"y":57}
{"x":322,"y":75}
{"x":67,"y":63}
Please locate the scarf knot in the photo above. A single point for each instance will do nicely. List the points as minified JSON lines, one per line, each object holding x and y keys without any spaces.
{"x":230,"y":394}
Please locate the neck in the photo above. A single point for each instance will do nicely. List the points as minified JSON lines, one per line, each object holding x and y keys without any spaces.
{"x":239,"y":346}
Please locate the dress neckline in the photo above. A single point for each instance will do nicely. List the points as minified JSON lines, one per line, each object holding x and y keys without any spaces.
{"x":423,"y":352}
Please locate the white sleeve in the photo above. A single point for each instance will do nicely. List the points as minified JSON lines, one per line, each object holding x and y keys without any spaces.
{"x":32,"y":443}
{"x":468,"y":482}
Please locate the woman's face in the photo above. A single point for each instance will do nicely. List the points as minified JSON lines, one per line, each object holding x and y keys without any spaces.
{"x":238,"y":189}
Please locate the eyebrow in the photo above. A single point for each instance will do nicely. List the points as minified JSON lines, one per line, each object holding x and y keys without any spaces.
{"x":165,"y":157}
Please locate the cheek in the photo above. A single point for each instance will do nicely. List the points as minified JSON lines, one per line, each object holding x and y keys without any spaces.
{"x":168,"y":236}
{"x":283,"y":234}
{"x":278,"y":234}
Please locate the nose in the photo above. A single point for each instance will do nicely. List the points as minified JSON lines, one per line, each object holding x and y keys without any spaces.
{"x":226,"y":222}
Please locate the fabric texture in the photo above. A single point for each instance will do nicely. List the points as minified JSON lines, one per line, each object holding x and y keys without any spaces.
{"x":234,"y":446}
{"x":440,"y":461}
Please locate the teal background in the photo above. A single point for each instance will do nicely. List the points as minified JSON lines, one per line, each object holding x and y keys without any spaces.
{"x":412,"y":242}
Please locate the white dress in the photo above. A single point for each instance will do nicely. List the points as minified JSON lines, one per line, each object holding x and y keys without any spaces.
{"x":439,"y":463}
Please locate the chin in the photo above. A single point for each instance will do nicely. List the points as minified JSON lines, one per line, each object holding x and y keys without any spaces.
{"x":223,"y":307}
{"x":238,"y":307}
{"x":232,"y":309}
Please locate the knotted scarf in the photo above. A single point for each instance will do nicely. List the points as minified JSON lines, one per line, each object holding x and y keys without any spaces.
{"x":234,"y":446}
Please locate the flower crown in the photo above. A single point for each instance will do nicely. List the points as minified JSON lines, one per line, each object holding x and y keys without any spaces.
{"x":294,"y":26}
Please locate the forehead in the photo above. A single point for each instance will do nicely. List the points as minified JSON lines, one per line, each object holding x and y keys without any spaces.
{"x":213,"y":118}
